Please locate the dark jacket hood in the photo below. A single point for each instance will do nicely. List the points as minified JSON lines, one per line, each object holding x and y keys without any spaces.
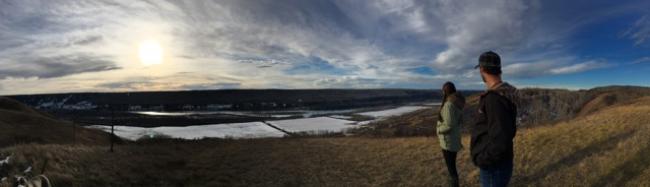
{"x":506,"y":90}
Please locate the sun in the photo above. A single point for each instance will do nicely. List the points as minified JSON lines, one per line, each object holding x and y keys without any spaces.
{"x":150,"y":53}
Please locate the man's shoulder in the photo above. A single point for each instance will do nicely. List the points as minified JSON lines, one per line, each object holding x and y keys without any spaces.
{"x":503,"y":91}
{"x":490,"y":95}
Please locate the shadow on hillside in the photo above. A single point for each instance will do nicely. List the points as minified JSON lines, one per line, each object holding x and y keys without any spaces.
{"x":628,"y":170}
{"x":573,"y":158}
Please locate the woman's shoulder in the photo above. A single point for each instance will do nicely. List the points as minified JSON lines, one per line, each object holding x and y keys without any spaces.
{"x":450,"y":102}
{"x":456,"y":100}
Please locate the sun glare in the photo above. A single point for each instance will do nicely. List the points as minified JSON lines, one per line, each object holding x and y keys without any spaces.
{"x":150,"y":53}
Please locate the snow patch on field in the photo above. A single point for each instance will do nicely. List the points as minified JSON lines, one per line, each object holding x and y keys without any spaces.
{"x":365,"y":122}
{"x":317,"y":124}
{"x":232,"y":130}
{"x":393,"y":112}
{"x":341,"y":117}
{"x":330,"y":123}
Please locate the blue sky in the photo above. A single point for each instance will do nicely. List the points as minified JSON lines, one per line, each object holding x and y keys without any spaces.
{"x":54,"y":46}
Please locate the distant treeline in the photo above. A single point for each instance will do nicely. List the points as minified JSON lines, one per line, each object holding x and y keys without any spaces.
{"x":271,"y":99}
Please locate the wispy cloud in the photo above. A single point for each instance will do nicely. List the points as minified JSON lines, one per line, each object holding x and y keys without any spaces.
{"x":641,"y":60}
{"x":580,"y":67}
{"x":557,"y":66}
{"x":57,"y":66}
{"x":290,"y":44}
{"x":640,"y":31}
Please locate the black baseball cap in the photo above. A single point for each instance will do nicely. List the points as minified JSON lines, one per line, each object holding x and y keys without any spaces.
{"x":489,"y":59}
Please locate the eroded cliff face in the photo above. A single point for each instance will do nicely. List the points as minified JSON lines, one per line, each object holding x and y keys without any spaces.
{"x":541,"y":106}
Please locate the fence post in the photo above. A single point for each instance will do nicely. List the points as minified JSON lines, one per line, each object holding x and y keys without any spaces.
{"x":74,"y":133}
{"x":112,"y":128}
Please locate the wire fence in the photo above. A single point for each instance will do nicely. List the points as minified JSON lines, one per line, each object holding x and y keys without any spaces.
{"x":111,"y":123}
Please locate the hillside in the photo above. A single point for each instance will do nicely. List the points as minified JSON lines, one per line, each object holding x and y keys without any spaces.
{"x":21,"y":124}
{"x":537,"y":107}
{"x":607,"y":147}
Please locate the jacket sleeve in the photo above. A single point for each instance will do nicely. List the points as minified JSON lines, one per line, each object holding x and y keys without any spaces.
{"x":447,"y":114}
{"x":500,"y":129}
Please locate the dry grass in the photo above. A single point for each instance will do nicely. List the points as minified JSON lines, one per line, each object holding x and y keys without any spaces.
{"x":537,"y":107}
{"x":21,"y":124}
{"x":416,"y":123}
{"x":608,"y":148}
{"x":608,"y":144}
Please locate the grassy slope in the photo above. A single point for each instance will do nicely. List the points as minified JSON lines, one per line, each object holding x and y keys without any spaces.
{"x":607,"y":147}
{"x":22,"y":124}
{"x":537,"y":107}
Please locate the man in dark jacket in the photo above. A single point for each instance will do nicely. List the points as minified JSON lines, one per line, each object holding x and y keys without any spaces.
{"x":493,"y":134}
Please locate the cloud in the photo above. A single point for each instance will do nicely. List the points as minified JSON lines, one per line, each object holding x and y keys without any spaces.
{"x":640,"y":31}
{"x":556,"y":66}
{"x":382,"y":45}
{"x":46,"y":40}
{"x":348,"y":82}
{"x":165,"y":85}
{"x":263,"y":62}
{"x":213,"y":86}
{"x":362,"y":45}
{"x":131,"y":85}
{"x":294,"y":43}
{"x":57,"y":66}
{"x":176,"y":81}
{"x":580,"y":67}
{"x":495,"y":25}
{"x":87,"y":40}
{"x":641,"y":60}
{"x":297,"y":38}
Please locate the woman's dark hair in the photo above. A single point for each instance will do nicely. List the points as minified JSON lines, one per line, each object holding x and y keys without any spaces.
{"x":447,"y":89}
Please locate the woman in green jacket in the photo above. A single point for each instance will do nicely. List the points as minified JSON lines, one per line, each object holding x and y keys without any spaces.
{"x":448,"y":127}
